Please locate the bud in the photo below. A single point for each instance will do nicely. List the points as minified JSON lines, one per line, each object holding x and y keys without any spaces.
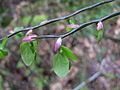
{"x":29,"y":32}
{"x":29,"y":38}
{"x":72,"y":26}
{"x":99,"y":26}
{"x":11,"y":31}
{"x":57,"y":44}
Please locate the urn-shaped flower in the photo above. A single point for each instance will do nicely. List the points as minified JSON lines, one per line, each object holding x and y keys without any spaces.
{"x":58,"y":44}
{"x":99,"y":26}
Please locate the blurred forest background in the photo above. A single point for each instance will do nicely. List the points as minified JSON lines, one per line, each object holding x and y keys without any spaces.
{"x":16,"y":14}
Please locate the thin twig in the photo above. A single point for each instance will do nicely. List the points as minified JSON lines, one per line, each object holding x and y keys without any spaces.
{"x":84,"y":83}
{"x":92,"y":78}
{"x":59,"y":18}
{"x":79,"y":27}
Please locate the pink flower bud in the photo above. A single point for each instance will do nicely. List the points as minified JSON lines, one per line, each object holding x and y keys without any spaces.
{"x":11,"y":31}
{"x":72,"y":26}
{"x":29,"y":38}
{"x":57,"y":44}
{"x":99,"y":26}
{"x":29,"y":32}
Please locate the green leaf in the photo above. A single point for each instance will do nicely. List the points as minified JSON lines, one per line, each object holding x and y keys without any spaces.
{"x":4,"y":42}
{"x":96,"y":32}
{"x":3,"y":53}
{"x":99,"y":34}
{"x":61,"y":65}
{"x":68,"y":29}
{"x":71,"y":22}
{"x":68,"y":53}
{"x":34,"y":45}
{"x":27,"y":54}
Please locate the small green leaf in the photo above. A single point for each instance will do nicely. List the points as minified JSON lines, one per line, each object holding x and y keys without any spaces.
{"x":3,"y":53}
{"x":27,"y":54}
{"x":68,"y":29}
{"x":71,"y":22}
{"x":35,"y":45}
{"x":61,"y":65}
{"x":68,"y":53}
{"x":96,"y":32}
{"x":3,"y":42}
{"x":99,"y":34}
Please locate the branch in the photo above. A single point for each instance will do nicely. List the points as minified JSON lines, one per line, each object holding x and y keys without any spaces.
{"x":84,"y":83}
{"x":58,"y":19}
{"x":92,"y":78}
{"x":79,"y":27}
